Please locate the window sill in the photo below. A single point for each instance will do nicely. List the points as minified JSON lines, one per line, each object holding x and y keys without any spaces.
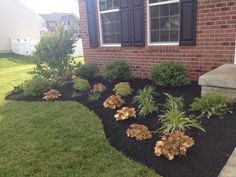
{"x":111,"y":45}
{"x":164,"y":44}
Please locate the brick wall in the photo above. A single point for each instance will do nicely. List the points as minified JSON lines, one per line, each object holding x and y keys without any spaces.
{"x":216,"y":32}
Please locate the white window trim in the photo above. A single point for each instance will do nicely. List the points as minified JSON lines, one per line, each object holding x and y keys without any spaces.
{"x":149,"y":28}
{"x":100,"y":26}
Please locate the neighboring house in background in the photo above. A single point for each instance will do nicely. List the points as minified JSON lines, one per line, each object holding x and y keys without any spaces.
{"x":19,"y":23}
{"x":69,"y":21}
{"x":199,"y":33}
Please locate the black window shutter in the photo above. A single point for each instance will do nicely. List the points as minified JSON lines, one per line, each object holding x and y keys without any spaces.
{"x":138,"y":36}
{"x":188,"y":13}
{"x":92,"y":25}
{"x":132,"y":23}
{"x":125,"y":18}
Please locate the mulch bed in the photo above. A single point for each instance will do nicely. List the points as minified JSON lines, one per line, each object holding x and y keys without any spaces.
{"x":205,"y":159}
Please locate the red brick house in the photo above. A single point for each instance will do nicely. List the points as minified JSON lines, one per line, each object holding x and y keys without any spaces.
{"x":199,"y":33}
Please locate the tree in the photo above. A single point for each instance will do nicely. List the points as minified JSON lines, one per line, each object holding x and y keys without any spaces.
{"x":53,"y":55}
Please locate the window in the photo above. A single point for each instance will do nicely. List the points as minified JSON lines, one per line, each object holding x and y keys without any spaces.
{"x":164,"y":21}
{"x":109,"y":17}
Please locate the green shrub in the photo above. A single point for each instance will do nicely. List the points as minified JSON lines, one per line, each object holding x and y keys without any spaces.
{"x":211,"y":105}
{"x":87,"y":71}
{"x":169,"y":74}
{"x":123,"y":89}
{"x":117,"y":71}
{"x":174,"y":102}
{"x":36,"y":86}
{"x":18,"y":88}
{"x":80,"y":85}
{"x":175,"y":119}
{"x":145,"y":100}
{"x":53,"y":55}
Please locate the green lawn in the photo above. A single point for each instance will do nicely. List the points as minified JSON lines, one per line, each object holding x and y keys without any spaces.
{"x":57,"y":139}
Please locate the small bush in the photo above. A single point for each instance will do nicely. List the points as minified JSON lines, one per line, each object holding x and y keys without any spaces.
{"x":117,"y":71}
{"x":94,"y":96}
{"x":51,"y":95}
{"x":36,"y":86}
{"x":113,"y":102}
{"x":169,"y":74}
{"x":123,"y":89}
{"x":125,"y":113}
{"x":80,"y":85}
{"x":174,"y":103}
{"x":174,"y":144}
{"x":211,"y":105}
{"x":139,"y":132}
{"x":175,"y":119}
{"x":18,"y":88}
{"x":87,"y":71}
{"x":145,"y":101}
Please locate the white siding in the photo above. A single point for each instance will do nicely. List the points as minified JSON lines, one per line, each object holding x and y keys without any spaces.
{"x":17,"y":21}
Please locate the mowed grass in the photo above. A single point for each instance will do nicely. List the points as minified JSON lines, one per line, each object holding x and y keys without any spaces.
{"x":54,"y":139}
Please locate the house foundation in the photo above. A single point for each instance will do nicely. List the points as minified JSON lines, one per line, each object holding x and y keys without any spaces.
{"x":221,"y":80}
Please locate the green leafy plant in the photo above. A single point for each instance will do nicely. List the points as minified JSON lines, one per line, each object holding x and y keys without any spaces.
{"x":174,"y":102}
{"x":86,"y":71}
{"x":36,"y":86}
{"x":94,"y":96}
{"x":53,"y":55}
{"x":175,"y":119}
{"x":18,"y":88}
{"x":145,"y":101}
{"x":80,"y":85}
{"x":123,"y":89}
{"x":173,"y":144}
{"x":211,"y":105}
{"x":117,"y":71}
{"x":169,"y":74}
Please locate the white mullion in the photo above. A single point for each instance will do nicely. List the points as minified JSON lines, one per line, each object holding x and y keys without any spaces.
{"x":149,"y":23}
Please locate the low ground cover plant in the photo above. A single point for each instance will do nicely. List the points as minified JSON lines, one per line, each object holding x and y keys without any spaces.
{"x":117,"y":71}
{"x":169,"y":74}
{"x":99,"y":88}
{"x":211,"y":105}
{"x":51,"y":95}
{"x":125,"y":113}
{"x":36,"y":86}
{"x":86,"y":71}
{"x":80,"y":85}
{"x":174,"y":102}
{"x":146,"y":102}
{"x":175,"y":119}
{"x":123,"y":89}
{"x":18,"y":88}
{"x":139,"y":132}
{"x":94,"y":96}
{"x":173,"y":144}
{"x":113,"y":102}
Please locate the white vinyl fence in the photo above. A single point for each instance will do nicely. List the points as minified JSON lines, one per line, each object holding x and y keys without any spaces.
{"x":23,"y":46}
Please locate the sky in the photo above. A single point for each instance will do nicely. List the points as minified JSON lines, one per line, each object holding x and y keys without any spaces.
{"x":48,"y":6}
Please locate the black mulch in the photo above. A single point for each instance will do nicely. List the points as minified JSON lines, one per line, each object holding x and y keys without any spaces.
{"x":205,"y":159}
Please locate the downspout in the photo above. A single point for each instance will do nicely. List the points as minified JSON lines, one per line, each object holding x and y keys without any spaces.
{"x":235,"y":53}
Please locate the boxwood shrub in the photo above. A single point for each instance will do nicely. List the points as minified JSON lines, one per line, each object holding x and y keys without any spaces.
{"x":169,"y":74}
{"x":117,"y":71}
{"x":87,"y":71}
